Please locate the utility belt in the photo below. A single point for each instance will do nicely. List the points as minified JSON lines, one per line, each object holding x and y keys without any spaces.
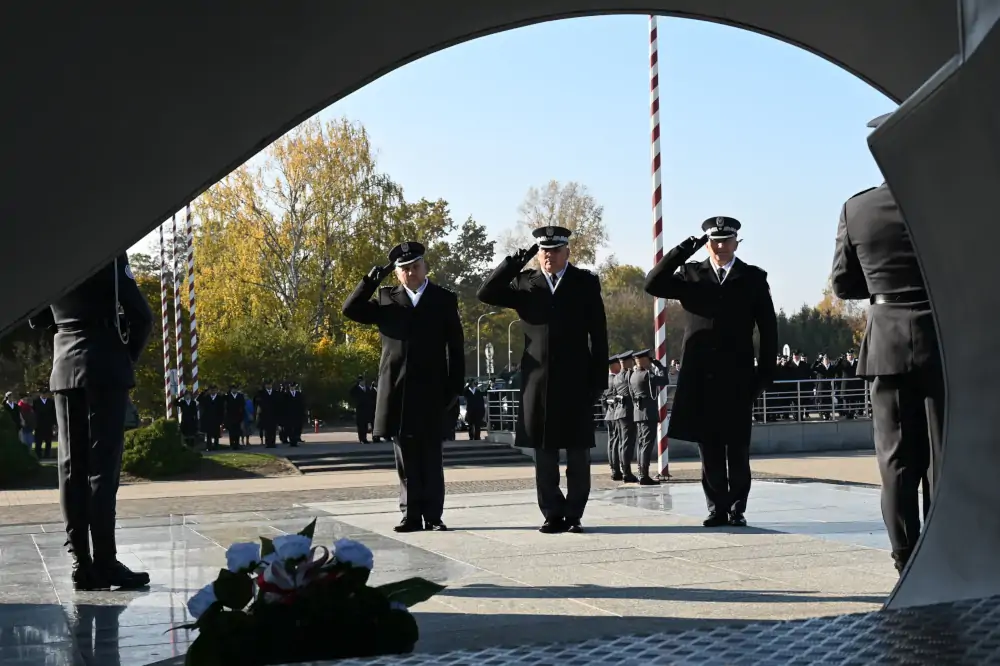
{"x":913,"y":296}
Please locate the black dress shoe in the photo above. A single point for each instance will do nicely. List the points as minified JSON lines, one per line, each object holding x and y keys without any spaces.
{"x":436,"y":526}
{"x":737,"y":520}
{"x":616,"y":476}
{"x":716,"y":519}
{"x":118,"y":575}
{"x":630,"y":478}
{"x":574,"y":527}
{"x":648,"y":481}
{"x":409,"y":526}
{"x":554,"y":526}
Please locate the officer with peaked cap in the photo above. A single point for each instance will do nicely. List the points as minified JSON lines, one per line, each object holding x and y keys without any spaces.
{"x":562,"y":368}
{"x":612,"y":410}
{"x":625,"y":422}
{"x":267,"y":407}
{"x":421,"y":375}
{"x":645,"y":383}
{"x":874,"y":260}
{"x":101,"y":328}
{"x":723,"y":298}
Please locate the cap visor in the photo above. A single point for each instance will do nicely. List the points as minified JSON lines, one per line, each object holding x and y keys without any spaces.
{"x":549,"y":245}
{"x":407,"y":262}
{"x":722,"y":236}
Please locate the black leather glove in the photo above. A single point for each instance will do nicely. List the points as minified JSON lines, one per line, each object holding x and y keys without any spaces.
{"x":524,"y":256}
{"x":692,"y":243}
{"x":379,"y":273}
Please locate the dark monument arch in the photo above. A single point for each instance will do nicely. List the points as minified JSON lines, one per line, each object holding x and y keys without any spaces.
{"x":115,"y":117}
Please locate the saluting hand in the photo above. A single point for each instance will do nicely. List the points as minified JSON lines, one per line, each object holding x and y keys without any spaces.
{"x":379,"y":273}
{"x":524,"y":256}
{"x":693,"y":243}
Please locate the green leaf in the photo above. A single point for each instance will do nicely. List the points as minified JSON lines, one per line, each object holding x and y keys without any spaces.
{"x":309,"y":530}
{"x":234,"y":590}
{"x":266,"y":547}
{"x":411,"y":591}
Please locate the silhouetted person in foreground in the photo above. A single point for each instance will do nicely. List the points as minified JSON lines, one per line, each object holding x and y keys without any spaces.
{"x":101,"y":328}
{"x":875,"y":260}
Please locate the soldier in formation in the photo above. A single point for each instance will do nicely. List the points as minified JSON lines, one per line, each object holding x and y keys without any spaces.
{"x":562,"y":367}
{"x":724,"y":299}
{"x":645,"y":383}
{"x":421,"y":375}
{"x":611,"y":415}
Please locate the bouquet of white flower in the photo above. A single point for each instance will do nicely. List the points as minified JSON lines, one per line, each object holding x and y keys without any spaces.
{"x":286,"y":600}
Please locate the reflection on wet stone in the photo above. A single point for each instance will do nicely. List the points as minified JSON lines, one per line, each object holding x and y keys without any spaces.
{"x":645,"y":565}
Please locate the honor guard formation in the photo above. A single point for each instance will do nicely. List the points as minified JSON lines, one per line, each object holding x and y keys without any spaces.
{"x":102,"y":326}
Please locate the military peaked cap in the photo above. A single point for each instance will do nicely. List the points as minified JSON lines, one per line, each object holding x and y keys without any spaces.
{"x":721,"y":227}
{"x":406,"y":253}
{"x":642,"y":353}
{"x":552,"y":237}
{"x":614,"y":359}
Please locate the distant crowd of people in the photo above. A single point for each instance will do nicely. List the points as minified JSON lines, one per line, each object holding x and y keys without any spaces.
{"x":275,"y":413}
{"x":827,"y":387}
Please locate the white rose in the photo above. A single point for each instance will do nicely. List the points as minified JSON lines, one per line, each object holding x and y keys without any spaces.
{"x":354,"y":553}
{"x":202,"y":601}
{"x":242,"y":556}
{"x":292,"y":546}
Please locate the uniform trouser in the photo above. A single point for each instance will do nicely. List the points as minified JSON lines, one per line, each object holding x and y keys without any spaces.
{"x":91,"y":438}
{"x":212,"y":438}
{"x":362,"y":430}
{"x":420,"y":467}
{"x":907,"y":411}
{"x":235,"y":432}
{"x":294,"y":431}
{"x":614,"y":447}
{"x":475,"y":430}
{"x":725,"y":476}
{"x":270,"y":431}
{"x":645,"y":444}
{"x":43,"y":435}
{"x":626,"y":442}
{"x":553,"y":504}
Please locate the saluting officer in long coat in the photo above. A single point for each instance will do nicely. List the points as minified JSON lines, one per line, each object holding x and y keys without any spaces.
{"x":562,"y":367}
{"x":723,"y":299}
{"x":874,"y":259}
{"x":420,"y":379}
{"x":645,"y":382}
{"x":101,"y":329}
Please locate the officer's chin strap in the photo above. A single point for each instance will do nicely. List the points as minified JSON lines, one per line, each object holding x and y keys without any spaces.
{"x":119,"y":311}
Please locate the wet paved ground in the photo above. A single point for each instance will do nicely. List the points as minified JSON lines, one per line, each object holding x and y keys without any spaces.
{"x":645,"y":564}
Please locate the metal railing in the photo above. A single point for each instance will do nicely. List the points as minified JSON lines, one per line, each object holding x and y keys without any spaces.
{"x":802,"y":400}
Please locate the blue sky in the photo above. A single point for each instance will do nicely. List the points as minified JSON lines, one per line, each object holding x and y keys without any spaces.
{"x":752,"y":128}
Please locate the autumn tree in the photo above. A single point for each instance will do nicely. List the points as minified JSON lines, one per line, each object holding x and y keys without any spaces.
{"x":570,"y":206}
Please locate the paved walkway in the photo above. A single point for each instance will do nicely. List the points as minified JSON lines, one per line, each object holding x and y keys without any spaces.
{"x":645,"y":564}
{"x":835,"y":468}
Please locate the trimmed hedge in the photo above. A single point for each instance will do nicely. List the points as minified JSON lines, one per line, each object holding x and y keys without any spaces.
{"x":17,"y":462}
{"x":157,"y":451}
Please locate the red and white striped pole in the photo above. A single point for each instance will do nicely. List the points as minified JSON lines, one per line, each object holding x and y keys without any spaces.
{"x":178,"y":316}
{"x":166,"y":326}
{"x":660,"y":305}
{"x":191,"y":312}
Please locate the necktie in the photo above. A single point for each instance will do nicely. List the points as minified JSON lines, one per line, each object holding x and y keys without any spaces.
{"x":722,"y":275}
{"x":555,"y":280}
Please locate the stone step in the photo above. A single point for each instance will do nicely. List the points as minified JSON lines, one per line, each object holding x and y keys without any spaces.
{"x":388,"y":462}
{"x":381,"y":449}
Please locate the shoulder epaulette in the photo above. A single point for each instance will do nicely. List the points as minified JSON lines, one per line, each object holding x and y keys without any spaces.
{"x":863,"y":192}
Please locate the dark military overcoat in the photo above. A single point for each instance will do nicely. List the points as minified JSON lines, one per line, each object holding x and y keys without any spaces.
{"x":564,"y":365}
{"x":718,"y":382}
{"x":423,"y":356}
